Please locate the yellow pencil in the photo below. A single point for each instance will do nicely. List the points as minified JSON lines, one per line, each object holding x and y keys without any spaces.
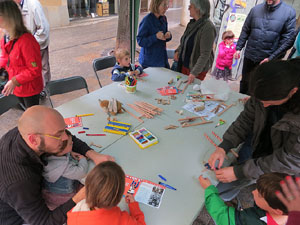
{"x":90,"y":114}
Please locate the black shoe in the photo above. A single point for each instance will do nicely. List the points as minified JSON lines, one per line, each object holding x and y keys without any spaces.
{"x":43,"y":95}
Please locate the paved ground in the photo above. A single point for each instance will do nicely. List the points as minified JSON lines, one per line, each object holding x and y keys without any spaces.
{"x":72,"y":50}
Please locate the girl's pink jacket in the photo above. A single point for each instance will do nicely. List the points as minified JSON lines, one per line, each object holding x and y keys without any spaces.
{"x":225,"y":56}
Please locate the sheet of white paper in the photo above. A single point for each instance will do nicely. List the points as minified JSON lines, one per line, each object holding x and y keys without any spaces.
{"x":209,"y":106}
{"x":149,"y":194}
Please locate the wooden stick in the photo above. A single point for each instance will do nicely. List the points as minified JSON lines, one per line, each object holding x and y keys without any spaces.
{"x":154,"y":106}
{"x":220,"y":139}
{"x":134,"y":116}
{"x":179,"y":83}
{"x":196,"y":124}
{"x":191,"y":118}
{"x":209,"y":139}
{"x":139,"y":111}
{"x":234,"y":153}
{"x":228,"y":107}
{"x":185,"y":87}
{"x":147,"y":108}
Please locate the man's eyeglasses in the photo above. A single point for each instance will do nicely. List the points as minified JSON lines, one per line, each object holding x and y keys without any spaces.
{"x":59,"y":137}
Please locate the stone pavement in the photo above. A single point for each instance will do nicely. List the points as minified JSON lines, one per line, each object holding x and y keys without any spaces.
{"x":72,"y":50}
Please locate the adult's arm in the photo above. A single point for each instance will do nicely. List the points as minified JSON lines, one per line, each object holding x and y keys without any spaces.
{"x":80,"y":146}
{"x":287,"y":37}
{"x":207,"y":38}
{"x":76,"y":172}
{"x":41,"y":33}
{"x":241,"y":127}
{"x":26,"y":198}
{"x":246,"y":30}
{"x":144,"y":39}
{"x":284,"y":160}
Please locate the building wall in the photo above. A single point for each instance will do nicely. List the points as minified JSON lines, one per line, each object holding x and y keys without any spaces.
{"x":56,"y":11}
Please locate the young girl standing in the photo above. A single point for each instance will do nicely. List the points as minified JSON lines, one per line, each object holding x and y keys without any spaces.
{"x":225,"y":57}
{"x":105,"y":186}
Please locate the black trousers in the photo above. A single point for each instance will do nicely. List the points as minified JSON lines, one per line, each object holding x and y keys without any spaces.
{"x":248,"y":67}
{"x":30,"y":101}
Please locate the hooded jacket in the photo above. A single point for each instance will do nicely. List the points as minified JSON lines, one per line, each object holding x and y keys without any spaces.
{"x":119,"y":73}
{"x":268,"y":31}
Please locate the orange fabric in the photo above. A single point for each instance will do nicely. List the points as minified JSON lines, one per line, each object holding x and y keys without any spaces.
{"x":200,"y":76}
{"x":113,"y":216}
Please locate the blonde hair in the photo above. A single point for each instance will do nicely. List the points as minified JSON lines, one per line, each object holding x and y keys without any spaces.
{"x":154,"y":5}
{"x":227,"y":35}
{"x":12,"y":15}
{"x":121,"y":53}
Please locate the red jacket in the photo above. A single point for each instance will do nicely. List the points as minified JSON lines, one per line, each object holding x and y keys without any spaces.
{"x":225,"y":56}
{"x":25,"y":68}
{"x":113,"y":216}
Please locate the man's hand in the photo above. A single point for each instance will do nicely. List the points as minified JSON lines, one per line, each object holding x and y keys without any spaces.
{"x":264,"y":61}
{"x":219,"y":154}
{"x":237,"y":55}
{"x":129,"y":198}
{"x":8,"y":88}
{"x":225,"y":175}
{"x":191,"y":78}
{"x":80,"y":195}
{"x":204,"y":182}
{"x":168,"y":35}
{"x":97,"y":157}
{"x":160,"y":35}
{"x":291,"y":190}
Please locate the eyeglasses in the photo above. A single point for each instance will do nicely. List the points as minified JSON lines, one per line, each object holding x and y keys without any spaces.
{"x":52,"y":136}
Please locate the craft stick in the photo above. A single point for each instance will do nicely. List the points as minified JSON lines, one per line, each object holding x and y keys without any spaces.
{"x":185,"y":87}
{"x":190,"y":118}
{"x":224,"y":110}
{"x":137,"y":110}
{"x":146,"y":109}
{"x":220,"y":139}
{"x":209,"y":139}
{"x":98,"y":146}
{"x":196,"y":124}
{"x":234,"y":153}
{"x":179,"y":83}
{"x":150,"y":113}
{"x":134,"y":116}
{"x":152,"y":106}
{"x":147,"y":115}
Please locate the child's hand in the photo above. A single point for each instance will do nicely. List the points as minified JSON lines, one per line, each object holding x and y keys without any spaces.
{"x":131,"y":73}
{"x":204,"y":182}
{"x":136,"y":72}
{"x":129,"y":198}
{"x":76,"y":155}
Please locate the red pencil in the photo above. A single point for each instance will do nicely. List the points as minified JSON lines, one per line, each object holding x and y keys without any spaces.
{"x":95,"y":134}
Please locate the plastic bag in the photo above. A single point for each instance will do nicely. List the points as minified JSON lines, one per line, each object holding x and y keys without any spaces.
{"x":219,"y":88}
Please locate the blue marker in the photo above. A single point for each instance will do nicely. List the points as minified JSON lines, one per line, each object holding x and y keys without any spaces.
{"x":161,"y":177}
{"x":167,"y":186}
{"x":85,"y":128}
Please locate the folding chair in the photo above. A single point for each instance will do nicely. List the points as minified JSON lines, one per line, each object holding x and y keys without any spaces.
{"x":103,"y":63}
{"x":65,"y":85}
{"x":7,"y":102}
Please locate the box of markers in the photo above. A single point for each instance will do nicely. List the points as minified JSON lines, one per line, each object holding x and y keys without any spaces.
{"x":143,"y":138}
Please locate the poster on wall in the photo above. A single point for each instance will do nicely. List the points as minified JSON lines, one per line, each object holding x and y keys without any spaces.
{"x":235,"y":23}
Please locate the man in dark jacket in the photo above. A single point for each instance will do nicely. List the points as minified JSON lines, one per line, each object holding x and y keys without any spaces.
{"x":272,"y":115}
{"x":269,"y":31}
{"x":40,"y":131}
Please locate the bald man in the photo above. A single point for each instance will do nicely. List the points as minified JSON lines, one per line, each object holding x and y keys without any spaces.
{"x":40,"y":131}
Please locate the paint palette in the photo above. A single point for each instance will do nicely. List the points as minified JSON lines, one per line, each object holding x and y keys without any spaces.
{"x":143,"y":138}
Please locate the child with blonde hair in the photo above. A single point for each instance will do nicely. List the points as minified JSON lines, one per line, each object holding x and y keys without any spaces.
{"x":123,"y":66}
{"x":105,"y":186}
{"x":225,"y":57}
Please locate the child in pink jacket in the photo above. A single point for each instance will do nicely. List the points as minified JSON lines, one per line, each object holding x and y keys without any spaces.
{"x":225,"y":57}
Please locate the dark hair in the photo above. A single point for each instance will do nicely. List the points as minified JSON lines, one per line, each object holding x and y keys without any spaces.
{"x":12,"y":15}
{"x":227,"y":35}
{"x":105,"y":185}
{"x":267,"y":184}
{"x":274,"y":80}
